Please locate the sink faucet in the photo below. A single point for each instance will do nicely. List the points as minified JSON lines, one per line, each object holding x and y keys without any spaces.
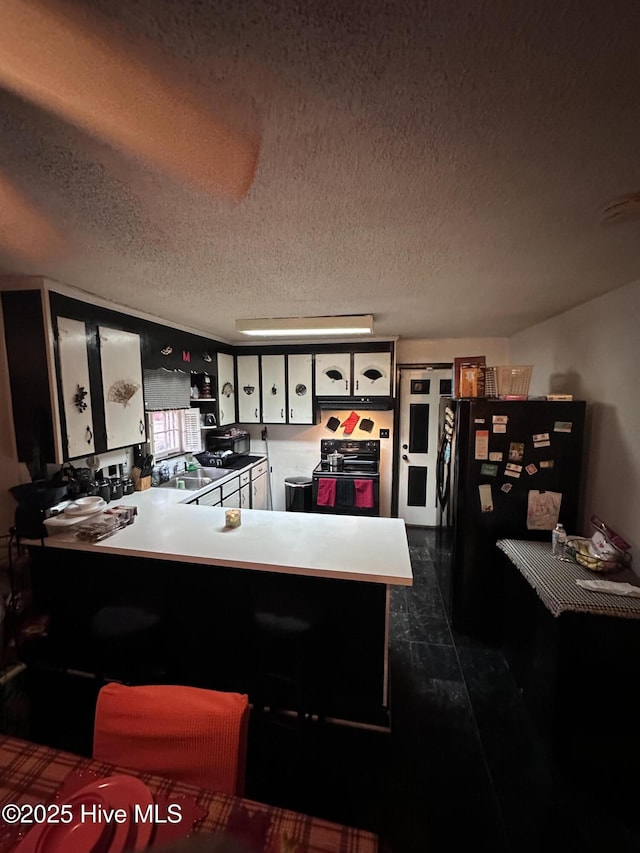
{"x":179,"y":468}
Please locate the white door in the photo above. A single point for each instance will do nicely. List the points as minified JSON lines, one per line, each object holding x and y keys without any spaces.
{"x":226,"y":390}
{"x":299,"y":390}
{"x":420,"y":392}
{"x":372,"y":373}
{"x":122,"y":387}
{"x":76,"y":396}
{"x":274,"y":398}
{"x":259,"y":496}
{"x":248,"y":389}
{"x":333,"y":374}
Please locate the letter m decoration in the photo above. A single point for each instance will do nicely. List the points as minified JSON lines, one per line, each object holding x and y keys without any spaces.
{"x":186,"y":356}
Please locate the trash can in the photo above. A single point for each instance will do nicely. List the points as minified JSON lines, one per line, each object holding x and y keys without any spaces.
{"x":297,"y":494}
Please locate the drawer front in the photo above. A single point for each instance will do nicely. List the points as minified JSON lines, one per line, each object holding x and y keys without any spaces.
{"x":230,"y":487}
{"x":245,"y":478}
{"x":259,"y":470}
{"x":211,"y":498}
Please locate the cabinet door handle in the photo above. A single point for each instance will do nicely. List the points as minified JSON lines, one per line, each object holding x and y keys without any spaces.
{"x":346,"y":384}
{"x":141,"y":427}
{"x":357,"y":384}
{"x":256,"y":414}
{"x":89,"y":435}
{"x":282,"y":413}
{"x":291,"y":414}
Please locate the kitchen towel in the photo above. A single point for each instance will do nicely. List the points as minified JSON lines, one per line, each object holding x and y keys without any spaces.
{"x":364,"y":493}
{"x":345,"y":494}
{"x":326,"y":491}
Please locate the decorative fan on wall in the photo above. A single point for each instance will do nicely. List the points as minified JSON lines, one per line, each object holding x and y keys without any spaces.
{"x":334,"y":373}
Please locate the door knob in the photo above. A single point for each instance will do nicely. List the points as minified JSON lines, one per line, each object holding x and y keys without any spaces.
{"x":405,"y":457}
{"x":405,"y":446}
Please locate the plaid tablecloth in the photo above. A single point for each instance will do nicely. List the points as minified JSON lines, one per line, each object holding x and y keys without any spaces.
{"x":555,"y":582}
{"x":30,"y":773}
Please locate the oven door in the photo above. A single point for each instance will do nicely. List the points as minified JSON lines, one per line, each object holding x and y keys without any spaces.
{"x":340,"y":494}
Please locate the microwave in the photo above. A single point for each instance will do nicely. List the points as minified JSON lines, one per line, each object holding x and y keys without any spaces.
{"x":237,"y":440}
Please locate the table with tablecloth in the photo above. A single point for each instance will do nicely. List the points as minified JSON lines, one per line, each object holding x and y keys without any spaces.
{"x":574,"y":652}
{"x":31,"y":773}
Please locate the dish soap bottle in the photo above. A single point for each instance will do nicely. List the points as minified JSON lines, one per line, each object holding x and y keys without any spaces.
{"x":558,"y":541}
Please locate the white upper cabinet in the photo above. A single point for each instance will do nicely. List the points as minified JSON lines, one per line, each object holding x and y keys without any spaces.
{"x":372,"y":374}
{"x":76,"y":395}
{"x":274,"y":398}
{"x":226,"y":390}
{"x":333,"y":374}
{"x":120,"y":360}
{"x":248,"y":389}
{"x":299,"y":388}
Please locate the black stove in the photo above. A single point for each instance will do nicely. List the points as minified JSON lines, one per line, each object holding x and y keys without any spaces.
{"x":359,"y":456}
{"x":357,"y":482}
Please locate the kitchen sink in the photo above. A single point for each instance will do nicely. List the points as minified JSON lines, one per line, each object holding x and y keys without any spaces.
{"x":191,"y":484}
{"x":217,"y":473}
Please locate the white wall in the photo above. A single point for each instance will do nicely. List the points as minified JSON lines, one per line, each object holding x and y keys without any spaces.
{"x":593,"y":352}
{"x":446,"y":349}
{"x":294,"y":451}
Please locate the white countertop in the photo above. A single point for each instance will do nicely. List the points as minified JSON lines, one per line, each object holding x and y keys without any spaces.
{"x":316,"y":544}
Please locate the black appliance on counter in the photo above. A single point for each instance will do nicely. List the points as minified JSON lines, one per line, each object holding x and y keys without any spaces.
{"x":224,"y":445}
{"x":468,"y":563}
{"x":36,"y":501}
{"x":360,"y":462}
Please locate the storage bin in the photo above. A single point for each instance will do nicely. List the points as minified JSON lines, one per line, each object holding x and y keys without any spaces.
{"x":505,"y":380}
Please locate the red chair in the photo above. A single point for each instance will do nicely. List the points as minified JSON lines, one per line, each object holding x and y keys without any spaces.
{"x":185,"y":733}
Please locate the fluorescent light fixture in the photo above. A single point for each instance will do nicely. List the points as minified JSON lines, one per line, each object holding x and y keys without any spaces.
{"x":297,"y":326}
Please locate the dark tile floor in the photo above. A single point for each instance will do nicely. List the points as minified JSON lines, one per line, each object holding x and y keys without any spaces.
{"x":463,"y":765}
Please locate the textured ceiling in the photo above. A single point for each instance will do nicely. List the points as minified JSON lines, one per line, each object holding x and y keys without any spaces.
{"x":442,"y":165}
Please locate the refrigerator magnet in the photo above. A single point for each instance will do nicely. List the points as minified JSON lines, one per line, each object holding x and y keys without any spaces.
{"x":478,"y":420}
{"x":531,"y":469}
{"x":499,"y":427}
{"x":488,"y":470}
{"x":546,"y":463}
{"x":503,"y":420}
{"x":482,"y":444}
{"x":506,"y":488}
{"x":486,"y":498}
{"x":516,"y":451}
{"x":513,"y":470}
{"x":495,"y":456}
{"x":562,"y":426}
{"x":541,"y":439}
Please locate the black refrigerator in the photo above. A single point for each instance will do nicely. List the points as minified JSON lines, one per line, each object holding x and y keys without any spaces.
{"x":492,"y":455}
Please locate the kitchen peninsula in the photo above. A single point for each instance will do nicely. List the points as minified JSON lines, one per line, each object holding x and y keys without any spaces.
{"x":206,"y":579}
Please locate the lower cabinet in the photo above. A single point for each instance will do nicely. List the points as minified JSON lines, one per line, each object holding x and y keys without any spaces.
{"x":231,"y":493}
{"x":232,"y":500}
{"x":245,"y":497}
{"x":260,"y":492}
{"x":212,"y":498}
{"x":247,"y":491}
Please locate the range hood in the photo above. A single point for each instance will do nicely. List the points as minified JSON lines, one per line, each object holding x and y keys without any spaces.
{"x":369,"y":404}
